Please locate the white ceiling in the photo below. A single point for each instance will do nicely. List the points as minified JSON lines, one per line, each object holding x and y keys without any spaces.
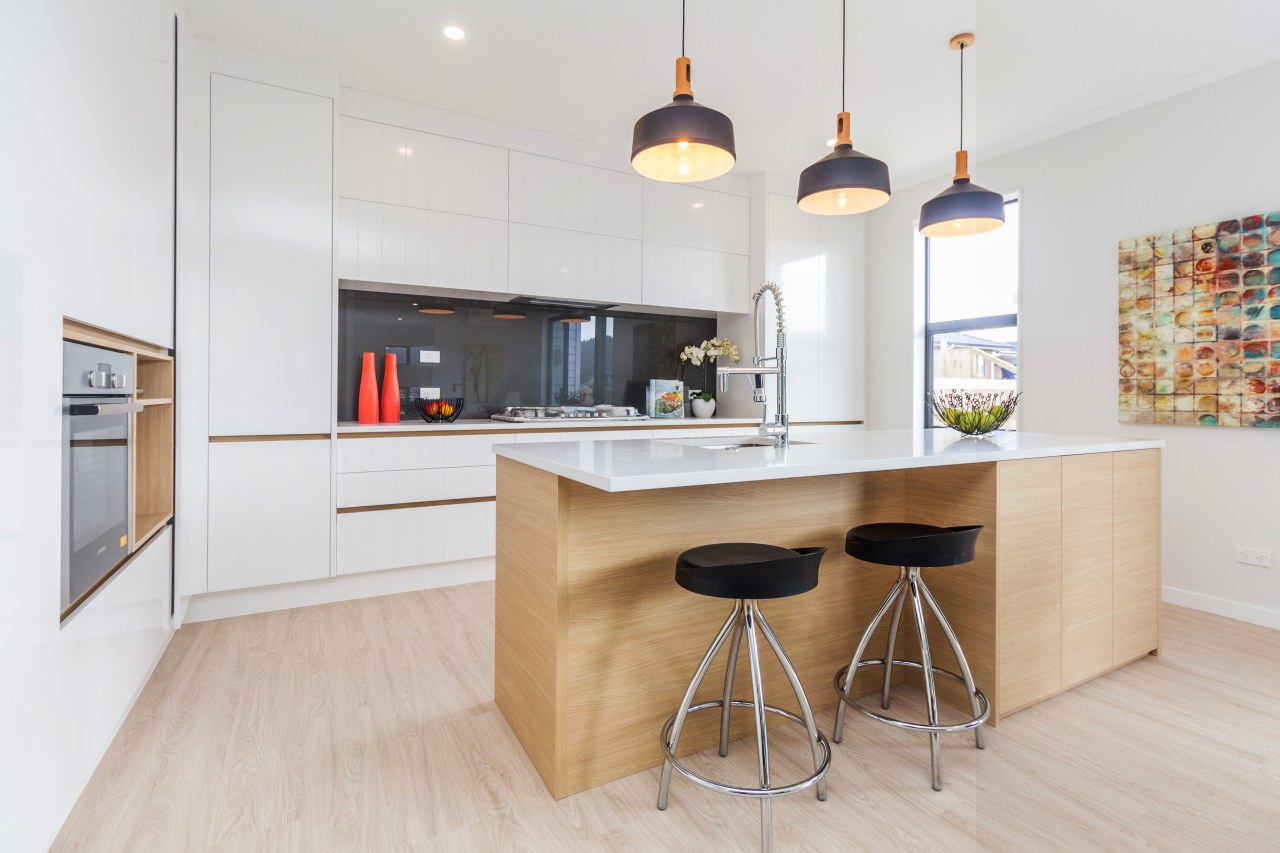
{"x":588,"y":68}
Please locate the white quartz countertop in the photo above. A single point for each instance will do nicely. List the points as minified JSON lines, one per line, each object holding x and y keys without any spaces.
{"x":473,"y":424}
{"x":635,"y":464}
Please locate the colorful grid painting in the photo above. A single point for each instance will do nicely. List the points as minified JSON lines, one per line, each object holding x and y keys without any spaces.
{"x":1200,"y":325}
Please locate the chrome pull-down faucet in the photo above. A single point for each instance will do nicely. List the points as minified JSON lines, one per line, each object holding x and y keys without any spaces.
{"x":779,"y":429}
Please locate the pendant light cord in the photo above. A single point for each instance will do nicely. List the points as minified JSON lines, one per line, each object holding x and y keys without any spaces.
{"x":844,"y":38}
{"x":961,"y":96}
{"x":682,"y":24}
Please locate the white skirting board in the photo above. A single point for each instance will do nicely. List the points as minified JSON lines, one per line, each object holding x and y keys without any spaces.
{"x":1222,"y":607}
{"x":242,"y":602}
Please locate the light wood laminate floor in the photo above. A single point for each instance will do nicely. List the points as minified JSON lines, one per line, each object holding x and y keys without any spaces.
{"x":370,"y":726}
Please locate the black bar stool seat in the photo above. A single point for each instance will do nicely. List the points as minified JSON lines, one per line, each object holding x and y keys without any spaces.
{"x":747,"y":572}
{"x":913,"y":547}
{"x":904,"y":544}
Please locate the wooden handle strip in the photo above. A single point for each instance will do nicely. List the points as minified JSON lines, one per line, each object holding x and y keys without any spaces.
{"x":843,"y":135}
{"x":684,"y":77}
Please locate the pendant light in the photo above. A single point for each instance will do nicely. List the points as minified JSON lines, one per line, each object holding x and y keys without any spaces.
{"x":846,"y":180}
{"x":964,"y":208}
{"x":684,"y":140}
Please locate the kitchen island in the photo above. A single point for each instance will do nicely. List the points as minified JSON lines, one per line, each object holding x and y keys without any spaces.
{"x":596,"y":643}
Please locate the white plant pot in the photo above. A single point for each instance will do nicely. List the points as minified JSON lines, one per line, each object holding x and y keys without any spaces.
{"x":702,"y":408}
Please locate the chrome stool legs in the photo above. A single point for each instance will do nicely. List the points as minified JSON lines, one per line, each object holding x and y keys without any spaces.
{"x":911,"y":586}
{"x":746,"y":620}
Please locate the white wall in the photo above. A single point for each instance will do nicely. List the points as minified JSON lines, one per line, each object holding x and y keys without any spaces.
{"x":820,"y":264}
{"x":1147,"y":171}
{"x":85,"y":207}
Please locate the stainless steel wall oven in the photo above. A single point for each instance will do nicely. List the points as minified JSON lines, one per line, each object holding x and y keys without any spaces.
{"x":97,"y":424}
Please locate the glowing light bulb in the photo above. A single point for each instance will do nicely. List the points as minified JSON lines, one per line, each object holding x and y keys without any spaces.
{"x":841,"y":200}
{"x":682,"y":144}
{"x":683,"y":168}
{"x":959,"y":223}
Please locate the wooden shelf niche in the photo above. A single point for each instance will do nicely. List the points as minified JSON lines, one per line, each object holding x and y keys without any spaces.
{"x":152,"y":428}
{"x":153,"y":447}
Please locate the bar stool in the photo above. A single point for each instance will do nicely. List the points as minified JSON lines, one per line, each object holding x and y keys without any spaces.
{"x":913,"y":547}
{"x":747,"y":572}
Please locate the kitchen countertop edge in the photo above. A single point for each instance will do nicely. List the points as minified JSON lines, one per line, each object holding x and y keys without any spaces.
{"x":540,"y":456}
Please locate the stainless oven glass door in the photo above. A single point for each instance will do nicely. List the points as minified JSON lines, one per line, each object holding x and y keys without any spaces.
{"x":95,"y":493}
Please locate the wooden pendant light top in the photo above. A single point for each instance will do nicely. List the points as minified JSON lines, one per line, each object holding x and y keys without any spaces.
{"x":963,"y":40}
{"x":843,"y":135}
{"x":962,"y":165}
{"x":684,"y":77}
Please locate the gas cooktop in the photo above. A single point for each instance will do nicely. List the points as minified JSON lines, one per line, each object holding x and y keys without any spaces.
{"x":527,"y":414}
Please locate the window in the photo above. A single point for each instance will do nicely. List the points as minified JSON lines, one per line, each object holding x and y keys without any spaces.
{"x":971,"y":312}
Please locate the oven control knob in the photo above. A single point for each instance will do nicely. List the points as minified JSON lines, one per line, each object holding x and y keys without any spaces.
{"x":97,"y":379}
{"x":119,"y":380}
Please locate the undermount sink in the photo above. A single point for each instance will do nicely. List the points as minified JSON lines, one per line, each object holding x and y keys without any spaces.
{"x":731,"y":445}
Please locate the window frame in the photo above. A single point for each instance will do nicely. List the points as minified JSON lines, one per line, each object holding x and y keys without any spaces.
{"x":967,"y":324}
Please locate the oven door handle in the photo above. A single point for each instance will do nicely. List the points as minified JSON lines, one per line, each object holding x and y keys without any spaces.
{"x":78,"y":409}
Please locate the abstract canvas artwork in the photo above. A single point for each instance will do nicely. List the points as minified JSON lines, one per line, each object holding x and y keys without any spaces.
{"x":1200,"y":325}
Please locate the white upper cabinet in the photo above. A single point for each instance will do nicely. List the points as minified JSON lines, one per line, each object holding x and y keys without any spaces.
{"x":696,"y":218}
{"x":417,"y":208}
{"x":103,"y":215}
{"x":558,"y":194}
{"x":695,"y":248}
{"x":393,"y":165}
{"x":270,"y":260}
{"x":574,"y":265}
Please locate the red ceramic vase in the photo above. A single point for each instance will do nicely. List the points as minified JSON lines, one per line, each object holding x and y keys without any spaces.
{"x":390,"y":392}
{"x":367,"y":402}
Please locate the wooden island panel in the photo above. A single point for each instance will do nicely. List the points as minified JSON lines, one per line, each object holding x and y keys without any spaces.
{"x":1136,"y":584}
{"x":1088,"y":512}
{"x":1029,"y":527}
{"x":596,"y":642}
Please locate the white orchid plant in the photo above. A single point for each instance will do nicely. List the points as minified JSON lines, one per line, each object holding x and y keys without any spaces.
{"x":705,"y":354}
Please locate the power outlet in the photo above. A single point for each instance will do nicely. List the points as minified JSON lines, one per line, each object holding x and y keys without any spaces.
{"x":1253,"y":557}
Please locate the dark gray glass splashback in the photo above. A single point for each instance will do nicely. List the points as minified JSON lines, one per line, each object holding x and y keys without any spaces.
{"x":540,"y":360}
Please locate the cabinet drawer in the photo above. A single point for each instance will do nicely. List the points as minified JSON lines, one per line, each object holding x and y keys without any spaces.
{"x":375,"y":488}
{"x":415,"y":536}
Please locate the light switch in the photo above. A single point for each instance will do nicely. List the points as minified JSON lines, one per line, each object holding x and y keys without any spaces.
{"x":424,"y":393}
{"x":423,"y":355}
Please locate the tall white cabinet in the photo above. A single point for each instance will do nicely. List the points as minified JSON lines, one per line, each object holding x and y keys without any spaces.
{"x":270,"y":259}
{"x":265,"y":468}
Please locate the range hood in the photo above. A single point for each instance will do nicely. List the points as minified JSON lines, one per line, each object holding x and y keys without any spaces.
{"x":566,"y":304}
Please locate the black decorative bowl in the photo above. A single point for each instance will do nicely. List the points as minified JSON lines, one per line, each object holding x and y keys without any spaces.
{"x":974,"y":412}
{"x":443,"y":411}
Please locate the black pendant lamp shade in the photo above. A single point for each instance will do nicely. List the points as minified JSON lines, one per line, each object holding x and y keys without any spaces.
{"x":964,"y":208}
{"x":845,"y":181}
{"x":684,"y":140}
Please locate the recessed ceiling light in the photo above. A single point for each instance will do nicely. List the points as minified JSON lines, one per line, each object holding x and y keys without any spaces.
{"x":435,"y":310}
{"x":454,"y":33}
{"x":509,"y":314}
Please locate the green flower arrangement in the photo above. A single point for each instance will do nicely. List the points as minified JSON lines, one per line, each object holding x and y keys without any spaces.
{"x":974,"y":412}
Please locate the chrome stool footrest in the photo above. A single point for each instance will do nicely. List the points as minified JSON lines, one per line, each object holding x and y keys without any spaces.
{"x":944,"y":728}
{"x":734,"y":790}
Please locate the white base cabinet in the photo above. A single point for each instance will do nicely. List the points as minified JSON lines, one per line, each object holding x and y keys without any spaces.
{"x":414,"y":536}
{"x":270,"y":512}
